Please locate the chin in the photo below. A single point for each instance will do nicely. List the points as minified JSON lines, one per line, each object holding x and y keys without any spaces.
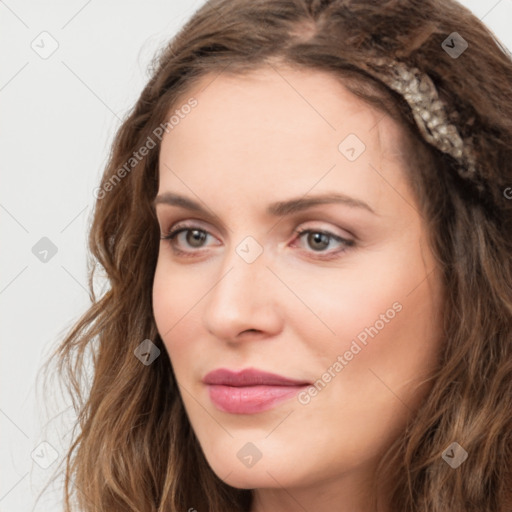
{"x":229,"y":468}
{"x":246,"y":479}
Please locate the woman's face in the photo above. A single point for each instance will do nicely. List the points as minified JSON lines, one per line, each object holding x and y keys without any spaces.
{"x":352,"y":322}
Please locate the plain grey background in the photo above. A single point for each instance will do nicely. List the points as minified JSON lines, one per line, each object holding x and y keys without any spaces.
{"x":70,"y":72}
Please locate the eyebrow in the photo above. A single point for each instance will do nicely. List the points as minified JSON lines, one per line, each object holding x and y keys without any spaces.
{"x":278,"y":209}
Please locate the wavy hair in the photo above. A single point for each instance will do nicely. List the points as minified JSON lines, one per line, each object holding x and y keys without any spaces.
{"x":134,"y":448}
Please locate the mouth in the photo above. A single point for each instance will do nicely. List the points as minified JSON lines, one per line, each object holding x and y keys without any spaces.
{"x":250,"y":391}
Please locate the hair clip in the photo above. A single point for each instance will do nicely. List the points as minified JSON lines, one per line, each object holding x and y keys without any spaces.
{"x":429,"y":112}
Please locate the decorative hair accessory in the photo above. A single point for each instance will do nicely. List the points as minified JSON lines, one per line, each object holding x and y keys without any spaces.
{"x":429,"y":112}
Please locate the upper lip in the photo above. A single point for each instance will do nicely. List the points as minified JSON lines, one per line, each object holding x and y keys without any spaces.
{"x":249,"y":377}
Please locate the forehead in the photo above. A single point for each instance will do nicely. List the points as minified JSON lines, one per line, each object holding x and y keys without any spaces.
{"x":276,"y":129}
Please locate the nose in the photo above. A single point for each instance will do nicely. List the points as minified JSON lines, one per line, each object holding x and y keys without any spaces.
{"x":243,"y":302}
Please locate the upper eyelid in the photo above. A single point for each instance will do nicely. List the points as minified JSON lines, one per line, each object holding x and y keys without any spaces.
{"x":178,"y":228}
{"x":191,"y":224}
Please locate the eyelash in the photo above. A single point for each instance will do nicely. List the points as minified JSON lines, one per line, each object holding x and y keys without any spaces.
{"x":180,"y":228}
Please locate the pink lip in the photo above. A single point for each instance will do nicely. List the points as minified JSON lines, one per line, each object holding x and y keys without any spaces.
{"x":249,"y":391}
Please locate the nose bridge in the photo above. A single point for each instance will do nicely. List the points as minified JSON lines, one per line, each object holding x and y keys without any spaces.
{"x":242,"y":297}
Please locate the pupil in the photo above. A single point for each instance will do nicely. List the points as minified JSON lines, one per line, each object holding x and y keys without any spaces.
{"x":317,"y":237}
{"x":196,"y":236}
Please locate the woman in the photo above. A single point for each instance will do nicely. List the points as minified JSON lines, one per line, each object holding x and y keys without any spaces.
{"x":306,"y":229}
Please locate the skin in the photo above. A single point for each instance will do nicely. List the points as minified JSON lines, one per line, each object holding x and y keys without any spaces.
{"x":254,"y":140}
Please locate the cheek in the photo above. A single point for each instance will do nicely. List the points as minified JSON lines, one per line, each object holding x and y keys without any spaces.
{"x":168,"y":303}
{"x":386,"y":316}
{"x":378,"y":383}
{"x":164,"y":301}
{"x":174,"y":294}
{"x":370,"y":294}
{"x":177,"y":313}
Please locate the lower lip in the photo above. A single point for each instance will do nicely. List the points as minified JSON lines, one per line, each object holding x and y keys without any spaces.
{"x":250,"y":399}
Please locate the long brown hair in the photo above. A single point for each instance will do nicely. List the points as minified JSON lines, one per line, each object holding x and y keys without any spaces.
{"x":134,"y":449}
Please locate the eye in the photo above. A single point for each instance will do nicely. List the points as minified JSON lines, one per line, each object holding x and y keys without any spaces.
{"x":193,"y":236}
{"x":317,"y":239}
